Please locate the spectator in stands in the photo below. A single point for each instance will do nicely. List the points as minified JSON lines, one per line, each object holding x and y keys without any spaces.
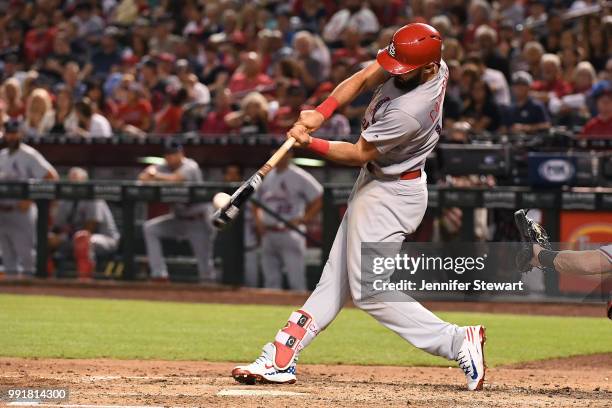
{"x":512,"y":11}
{"x":289,"y":112}
{"x":531,"y":58}
{"x":597,"y":38}
{"x":38,"y":41}
{"x":351,"y":50}
{"x":481,"y":110}
{"x":39,"y":115}
{"x":252,"y":118}
{"x":168,"y":120}
{"x":153,"y":83}
{"x":87,"y":23}
{"x":600,"y":127}
{"x":94,"y":91}
{"x":310,"y":68}
{"x":134,"y":115}
{"x":65,"y":117}
{"x":572,"y":110}
{"x":313,"y":15}
{"x":11,"y":94}
{"x":479,"y":14}
{"x":185,"y":221}
{"x":83,"y":230}
{"x":552,"y":83}
{"x":163,"y":40}
{"x":19,"y":162}
{"x":215,"y":119}
{"x":354,"y":14}
{"x":108,"y":56}
{"x":197,"y":92}
{"x":525,"y":115}
{"x":248,"y":77}
{"x":90,"y":123}
{"x":494,"y":78}
{"x":487,"y":40}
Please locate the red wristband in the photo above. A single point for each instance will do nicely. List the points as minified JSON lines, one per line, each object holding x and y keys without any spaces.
{"x":327,"y":107}
{"x":319,"y":146}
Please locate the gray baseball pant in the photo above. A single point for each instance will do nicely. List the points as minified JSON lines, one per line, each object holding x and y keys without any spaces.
{"x":380,"y":211}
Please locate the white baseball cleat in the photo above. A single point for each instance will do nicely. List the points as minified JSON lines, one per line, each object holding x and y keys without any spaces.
{"x":263,"y":371}
{"x":471,"y":357}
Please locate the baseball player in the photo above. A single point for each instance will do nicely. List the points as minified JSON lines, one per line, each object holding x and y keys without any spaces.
{"x":188,"y":221}
{"x":85,"y":228}
{"x":295,"y":196}
{"x":19,"y":162}
{"x":400,"y":128}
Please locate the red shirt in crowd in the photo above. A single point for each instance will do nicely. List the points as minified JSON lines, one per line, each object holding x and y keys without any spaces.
{"x":38,"y":44}
{"x":169,"y":120}
{"x":350,"y":56}
{"x":215,"y":124}
{"x":559,"y":87}
{"x":240,"y":83}
{"x":134,"y":114}
{"x":598,"y":128}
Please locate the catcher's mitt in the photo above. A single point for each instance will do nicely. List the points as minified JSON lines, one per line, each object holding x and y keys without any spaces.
{"x":531,"y":233}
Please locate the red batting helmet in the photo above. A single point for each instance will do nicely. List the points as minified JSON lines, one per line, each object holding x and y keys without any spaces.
{"x":412,"y":46}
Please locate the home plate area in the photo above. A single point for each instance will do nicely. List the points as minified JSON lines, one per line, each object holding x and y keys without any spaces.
{"x":143,"y":383}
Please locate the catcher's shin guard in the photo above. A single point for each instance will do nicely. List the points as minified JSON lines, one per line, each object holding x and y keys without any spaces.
{"x":290,"y":339}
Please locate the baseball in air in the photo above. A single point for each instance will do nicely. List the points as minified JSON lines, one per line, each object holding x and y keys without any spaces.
{"x":221,"y":200}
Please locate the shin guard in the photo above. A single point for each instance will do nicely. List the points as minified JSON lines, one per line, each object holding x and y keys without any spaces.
{"x":289,"y":340}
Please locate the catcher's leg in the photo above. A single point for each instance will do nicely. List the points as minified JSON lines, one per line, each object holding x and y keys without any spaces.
{"x":277,"y":361}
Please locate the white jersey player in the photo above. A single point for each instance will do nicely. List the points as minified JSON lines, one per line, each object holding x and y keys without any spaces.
{"x":400,"y":128}
{"x":296,"y":196}
{"x":19,"y":162}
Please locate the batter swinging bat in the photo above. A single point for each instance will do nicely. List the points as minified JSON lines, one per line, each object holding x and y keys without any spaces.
{"x":225,"y":215}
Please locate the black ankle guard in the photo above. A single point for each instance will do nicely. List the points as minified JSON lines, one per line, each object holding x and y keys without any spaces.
{"x":547,"y":258}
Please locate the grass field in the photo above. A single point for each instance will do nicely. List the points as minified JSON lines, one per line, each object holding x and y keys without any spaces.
{"x":45,"y":326}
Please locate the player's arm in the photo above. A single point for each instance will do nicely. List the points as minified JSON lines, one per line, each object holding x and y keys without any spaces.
{"x":152,"y":174}
{"x":312,"y":209}
{"x":590,"y":262}
{"x":367,"y":78}
{"x":349,"y":154}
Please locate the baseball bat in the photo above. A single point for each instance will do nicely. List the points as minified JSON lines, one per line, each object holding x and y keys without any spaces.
{"x":223,"y":216}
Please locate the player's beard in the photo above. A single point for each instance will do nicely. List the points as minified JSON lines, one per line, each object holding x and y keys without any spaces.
{"x":408,"y":85}
{"x":13,"y":145}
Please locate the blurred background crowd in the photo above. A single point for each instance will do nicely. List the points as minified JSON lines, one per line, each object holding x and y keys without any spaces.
{"x":97,"y":68}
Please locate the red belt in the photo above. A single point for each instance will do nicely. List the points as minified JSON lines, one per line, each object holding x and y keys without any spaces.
{"x":7,"y":208}
{"x":276,"y":229}
{"x":411,"y":175}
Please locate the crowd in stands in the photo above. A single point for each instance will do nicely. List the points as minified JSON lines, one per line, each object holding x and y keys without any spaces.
{"x":97,"y":68}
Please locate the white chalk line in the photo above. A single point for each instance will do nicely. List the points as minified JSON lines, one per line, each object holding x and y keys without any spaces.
{"x":38,"y":404}
{"x":238,"y":392}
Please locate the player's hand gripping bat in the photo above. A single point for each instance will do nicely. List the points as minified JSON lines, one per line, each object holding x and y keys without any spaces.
{"x":223,"y":216}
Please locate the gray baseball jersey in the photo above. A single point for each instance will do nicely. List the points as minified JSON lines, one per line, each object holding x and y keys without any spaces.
{"x":23,"y":164}
{"x":198,"y":231}
{"x":17,"y":228}
{"x":405,"y":126}
{"x":87,"y":210}
{"x":190,"y":170}
{"x":287,"y":193}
